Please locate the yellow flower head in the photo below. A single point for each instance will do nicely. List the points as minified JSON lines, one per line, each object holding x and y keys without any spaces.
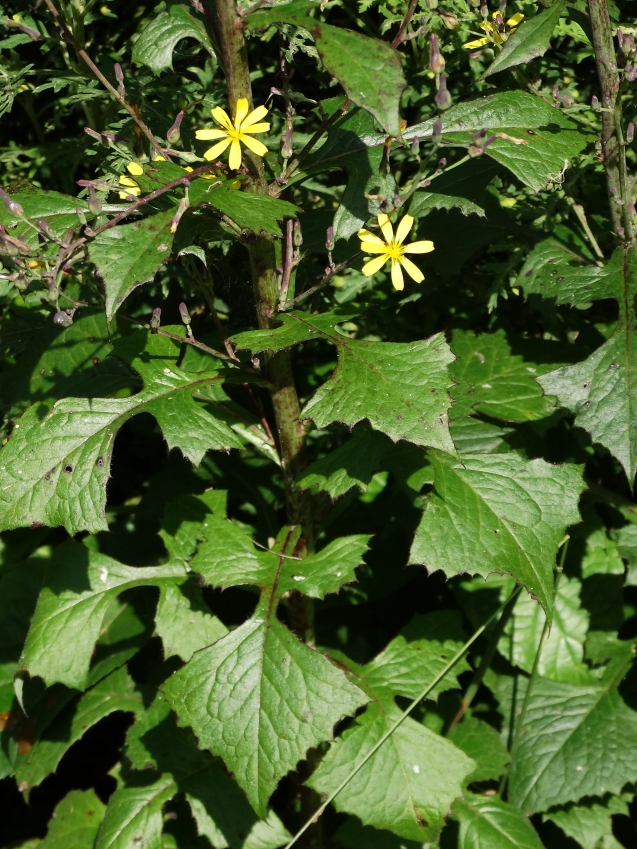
{"x":393,"y":249}
{"x":131,"y":187}
{"x":235,"y":134}
{"x":497,"y":35}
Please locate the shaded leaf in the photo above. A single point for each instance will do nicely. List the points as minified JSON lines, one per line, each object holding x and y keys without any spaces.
{"x":464,"y":187}
{"x":590,"y":822}
{"x":591,"y":751}
{"x":160,"y":36}
{"x":130,"y":254}
{"x":183,"y":520}
{"x":483,"y":744}
{"x":58,"y":210}
{"x":498,"y":513}
{"x":63,"y":482}
{"x":184,"y":621}
{"x":133,"y":817}
{"x":368,"y":69}
{"x":79,"y":585}
{"x":352,"y":464}
{"x":400,"y":388}
{"x":530,"y":40}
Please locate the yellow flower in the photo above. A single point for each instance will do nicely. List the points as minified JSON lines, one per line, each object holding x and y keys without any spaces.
{"x":493,"y":33}
{"x":132,"y":188}
{"x":393,"y":249}
{"x":234,"y":134}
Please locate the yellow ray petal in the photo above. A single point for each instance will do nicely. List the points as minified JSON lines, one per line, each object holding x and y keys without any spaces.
{"x":216,"y":150}
{"x":385,"y":226}
{"x":243,"y":108}
{"x":234,"y":160}
{"x":135,"y":169}
{"x":210,"y":134}
{"x":221,"y":117}
{"x":412,"y":270}
{"x":404,"y":228}
{"x":126,"y":181}
{"x":254,"y":117}
{"x":374,"y":247}
{"x":254,"y":145}
{"x":514,"y":20}
{"x":370,"y":237}
{"x":479,"y":42}
{"x":256,"y":128}
{"x":374,"y":265}
{"x":423,"y":247}
{"x":397,"y":279}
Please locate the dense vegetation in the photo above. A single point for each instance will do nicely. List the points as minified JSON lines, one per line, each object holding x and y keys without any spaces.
{"x":319,"y":409}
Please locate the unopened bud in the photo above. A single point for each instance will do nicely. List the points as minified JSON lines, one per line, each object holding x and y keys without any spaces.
{"x":298,"y":235}
{"x":484,"y":10}
{"x":436,"y":135}
{"x":119,"y":76}
{"x":12,"y":205}
{"x":449,"y":20}
{"x":286,"y":144}
{"x":436,"y":59}
{"x":630,"y":73}
{"x":397,"y":201}
{"x":415,"y":145}
{"x":498,"y":21}
{"x":595,"y":103}
{"x":94,"y":203}
{"x":329,"y":239}
{"x":502,"y":7}
{"x":183,"y":206}
{"x":564,"y":99}
{"x":443,"y":97}
{"x":185,"y":317}
{"x":174,"y":134}
{"x":63,"y":319}
{"x":46,"y":228}
{"x":630,"y":133}
{"x":156,"y":319}
{"x":432,"y":4}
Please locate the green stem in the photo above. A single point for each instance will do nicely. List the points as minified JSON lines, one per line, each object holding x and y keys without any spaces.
{"x":485,"y":663}
{"x":460,"y":654}
{"x":285,"y":402}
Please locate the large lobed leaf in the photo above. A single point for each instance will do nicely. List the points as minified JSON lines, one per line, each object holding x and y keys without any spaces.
{"x":56,"y":464}
{"x":402,"y":389}
{"x":259,"y":698}
{"x":498,"y":513}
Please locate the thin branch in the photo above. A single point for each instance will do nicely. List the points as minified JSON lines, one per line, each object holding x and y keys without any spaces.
{"x":288,"y":260}
{"x":332,"y":272}
{"x":578,"y":209}
{"x":180,"y":181}
{"x":325,"y":125}
{"x":403,"y":717}
{"x":70,"y":39}
{"x":398,"y":38}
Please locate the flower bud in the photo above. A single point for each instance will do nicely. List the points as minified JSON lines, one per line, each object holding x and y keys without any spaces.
{"x":185,"y":315}
{"x":484,"y":10}
{"x":436,"y":135}
{"x":298,"y":235}
{"x":173,"y":135}
{"x":498,"y":21}
{"x":63,"y":319}
{"x":94,"y":203}
{"x":436,"y":59}
{"x":595,"y":103}
{"x":630,"y":133}
{"x":12,"y":205}
{"x":156,"y":319}
{"x":564,"y":99}
{"x":183,"y":206}
{"x":630,"y":73}
{"x":449,"y":20}
{"x":415,"y":145}
{"x":119,"y":76}
{"x":443,"y":97}
{"x":329,"y":240}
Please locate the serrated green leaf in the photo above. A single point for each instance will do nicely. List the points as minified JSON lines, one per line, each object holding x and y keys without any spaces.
{"x":352,"y":464}
{"x":63,"y":362}
{"x":259,"y":213}
{"x":474,"y":436}
{"x":56,"y":465}
{"x":591,"y":751}
{"x":58,"y":210}
{"x":556,"y":270}
{"x":75,"y":822}
{"x":492,"y":380}
{"x":627,"y":547}
{"x":463,"y":188}
{"x":130,"y":254}
{"x":79,"y":585}
{"x":160,"y":36}
{"x":530,"y":40}
{"x":369,"y":70}
{"x":400,"y":388}
{"x":184,"y":621}
{"x":590,"y":822}
{"x":488,"y":821}
{"x":562,"y":656}
{"x":546,"y":139}
{"x":115,"y":692}
{"x":483,"y":744}
{"x":424,"y":771}
{"x":498,"y":513}
{"x":600,"y":390}
{"x":133,"y":817}
{"x":183,"y":521}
